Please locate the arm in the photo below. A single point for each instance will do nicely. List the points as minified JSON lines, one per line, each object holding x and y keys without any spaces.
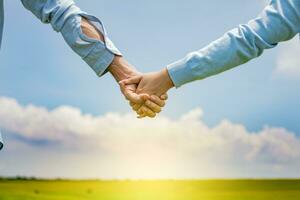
{"x":121,"y":69}
{"x":279,"y":21}
{"x":86,"y":35}
{"x":1,"y":20}
{"x":65,"y":17}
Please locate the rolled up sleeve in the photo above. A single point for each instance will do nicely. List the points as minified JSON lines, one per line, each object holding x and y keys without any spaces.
{"x":279,"y":21}
{"x":65,"y":17}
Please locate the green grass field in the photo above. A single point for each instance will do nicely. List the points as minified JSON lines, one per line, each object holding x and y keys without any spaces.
{"x":151,"y":190}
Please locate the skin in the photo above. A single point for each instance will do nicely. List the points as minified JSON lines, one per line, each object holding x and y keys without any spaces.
{"x":120,"y":69}
{"x":154,"y":84}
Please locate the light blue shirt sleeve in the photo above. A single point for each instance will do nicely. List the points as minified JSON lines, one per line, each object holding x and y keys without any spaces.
{"x":1,"y":20}
{"x":279,"y":21}
{"x":65,"y":17}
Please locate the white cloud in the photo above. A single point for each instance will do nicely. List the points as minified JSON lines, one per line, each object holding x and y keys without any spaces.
{"x":288,"y":61}
{"x":120,"y":146}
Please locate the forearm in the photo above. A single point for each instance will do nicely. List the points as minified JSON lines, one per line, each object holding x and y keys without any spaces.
{"x":90,"y":30}
{"x":65,"y":17}
{"x":278,"y":22}
{"x":119,"y":68}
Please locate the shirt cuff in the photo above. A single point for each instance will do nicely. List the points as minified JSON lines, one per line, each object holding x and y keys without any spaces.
{"x":97,"y":54}
{"x":104,"y":52}
{"x":180,"y":72}
{"x":99,"y":59}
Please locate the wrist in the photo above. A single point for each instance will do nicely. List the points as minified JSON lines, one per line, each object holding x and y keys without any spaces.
{"x":121,"y":69}
{"x":167,"y":79}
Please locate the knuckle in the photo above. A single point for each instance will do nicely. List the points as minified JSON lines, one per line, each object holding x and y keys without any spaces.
{"x":140,"y":112}
{"x":145,"y":110}
{"x":152,"y":115}
{"x":158,"y":110}
{"x":154,"y":97}
{"x":148,"y":103}
{"x":135,"y":108}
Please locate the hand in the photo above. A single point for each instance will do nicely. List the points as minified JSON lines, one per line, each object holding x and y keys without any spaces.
{"x":121,"y":70}
{"x":153,"y":84}
{"x":144,"y":104}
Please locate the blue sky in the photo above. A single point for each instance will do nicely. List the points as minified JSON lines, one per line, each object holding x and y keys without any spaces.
{"x":38,"y":68}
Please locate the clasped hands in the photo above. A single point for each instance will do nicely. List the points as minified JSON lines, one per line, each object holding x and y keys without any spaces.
{"x":147,"y":93}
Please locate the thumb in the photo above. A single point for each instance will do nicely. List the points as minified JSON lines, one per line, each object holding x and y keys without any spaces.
{"x":164,"y":97}
{"x":122,"y":87}
{"x":144,"y":96}
{"x":131,"y":80}
{"x":133,"y":97}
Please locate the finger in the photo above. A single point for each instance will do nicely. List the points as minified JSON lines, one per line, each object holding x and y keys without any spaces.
{"x":141,"y":100}
{"x":152,"y":106}
{"x":132,"y":80}
{"x":148,"y":112}
{"x":140,"y":111}
{"x":140,"y":117}
{"x":144,"y":96}
{"x":141,"y":114}
{"x":164,"y":97}
{"x":136,"y":107}
{"x":122,"y":87}
{"x":157,"y":100}
{"x":133,"y":97}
